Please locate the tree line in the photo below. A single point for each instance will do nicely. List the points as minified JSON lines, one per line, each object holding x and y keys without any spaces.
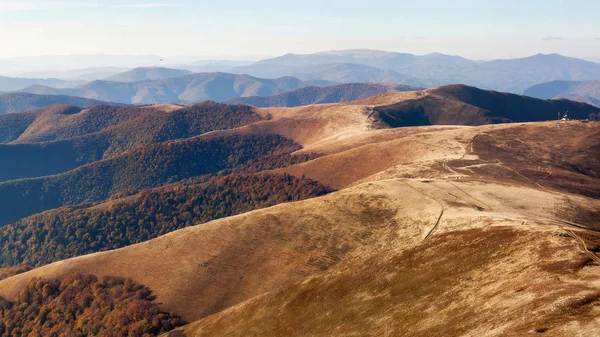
{"x":132,"y":217}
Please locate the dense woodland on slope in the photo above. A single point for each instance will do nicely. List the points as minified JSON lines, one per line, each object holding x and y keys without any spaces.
{"x":85,"y":306}
{"x":463,"y":105}
{"x":71,"y":140}
{"x":146,"y":167}
{"x":64,"y":122}
{"x":67,"y":232}
{"x":13,"y":125}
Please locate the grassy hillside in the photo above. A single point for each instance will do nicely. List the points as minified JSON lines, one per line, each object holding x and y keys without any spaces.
{"x":433,"y":192}
{"x":470,"y":230}
{"x":463,"y":105}
{"x":573,"y":165}
{"x":493,"y":281}
{"x":321,"y":95}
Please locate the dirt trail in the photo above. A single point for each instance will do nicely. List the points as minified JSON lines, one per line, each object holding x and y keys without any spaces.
{"x":442,"y":206}
{"x":583,"y":246}
{"x":469,"y":149}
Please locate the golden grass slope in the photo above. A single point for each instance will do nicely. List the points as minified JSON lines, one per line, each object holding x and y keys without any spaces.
{"x":493,"y":281}
{"x":225,"y":262}
{"x":435,"y":229}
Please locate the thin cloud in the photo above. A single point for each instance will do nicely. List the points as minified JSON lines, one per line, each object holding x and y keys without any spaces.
{"x":144,"y":5}
{"x":553,"y":38}
{"x":41,"y":5}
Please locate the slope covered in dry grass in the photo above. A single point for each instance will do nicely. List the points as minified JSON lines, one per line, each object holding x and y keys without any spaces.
{"x":471,"y":230}
{"x":495,"y":281}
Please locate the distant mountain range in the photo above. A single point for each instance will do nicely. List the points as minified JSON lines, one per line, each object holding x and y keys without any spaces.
{"x":20,"y":102}
{"x":336,"y":72}
{"x":321,"y":95}
{"x":212,"y":66}
{"x":62,"y":63}
{"x":85,"y":74}
{"x":147,"y":85}
{"x":344,"y":66}
{"x":147,"y":74}
{"x":189,"y":89}
{"x":15,"y":83}
{"x":433,"y":69}
{"x":582,"y":91}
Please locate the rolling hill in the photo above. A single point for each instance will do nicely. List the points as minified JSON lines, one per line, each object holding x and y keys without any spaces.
{"x":191,"y":88}
{"x":408,"y":230}
{"x":466,"y":227}
{"x":21,"y":102}
{"x":321,"y":95}
{"x":62,"y":138}
{"x":463,"y":105}
{"x":99,"y":226}
{"x":583,"y":91}
{"x":146,"y":167}
{"x":147,"y":74}
{"x":383,"y":294}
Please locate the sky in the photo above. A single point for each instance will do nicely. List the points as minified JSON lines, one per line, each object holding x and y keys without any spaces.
{"x":241,"y":29}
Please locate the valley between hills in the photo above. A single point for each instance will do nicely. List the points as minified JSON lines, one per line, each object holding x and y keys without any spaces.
{"x":408,"y":213}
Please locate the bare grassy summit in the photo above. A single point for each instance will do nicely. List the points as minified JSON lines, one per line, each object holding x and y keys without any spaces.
{"x":461,"y":228}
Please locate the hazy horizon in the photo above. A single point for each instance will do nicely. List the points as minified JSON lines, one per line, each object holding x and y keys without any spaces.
{"x":49,"y":66}
{"x":236,"y":29}
{"x":255,"y":58}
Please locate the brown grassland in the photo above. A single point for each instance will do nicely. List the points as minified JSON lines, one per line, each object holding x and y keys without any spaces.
{"x":435,"y":230}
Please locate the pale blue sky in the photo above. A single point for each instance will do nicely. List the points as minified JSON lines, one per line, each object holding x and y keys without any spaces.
{"x":243,"y":29}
